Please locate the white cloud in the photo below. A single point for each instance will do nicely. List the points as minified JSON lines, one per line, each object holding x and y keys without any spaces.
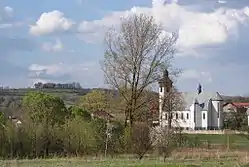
{"x":8,"y":11}
{"x":221,"y":1}
{"x":53,"y":69}
{"x":210,"y":33}
{"x":50,"y":22}
{"x":53,"y":47}
{"x":61,"y":69}
{"x":199,"y":76}
{"x":195,"y":28}
{"x":63,"y":72}
{"x":163,"y":2}
{"x":92,"y":31}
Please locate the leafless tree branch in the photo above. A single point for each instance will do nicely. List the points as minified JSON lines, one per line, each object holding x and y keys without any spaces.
{"x":135,"y":55}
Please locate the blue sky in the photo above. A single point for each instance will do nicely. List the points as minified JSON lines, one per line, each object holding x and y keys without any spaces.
{"x":61,"y":40}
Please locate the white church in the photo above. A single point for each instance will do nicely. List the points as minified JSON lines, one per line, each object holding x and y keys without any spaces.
{"x":203,"y":111}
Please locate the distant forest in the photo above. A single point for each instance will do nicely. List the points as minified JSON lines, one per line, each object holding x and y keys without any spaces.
{"x":74,"y":85}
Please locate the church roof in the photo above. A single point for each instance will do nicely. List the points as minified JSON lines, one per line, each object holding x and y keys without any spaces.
{"x":203,"y":98}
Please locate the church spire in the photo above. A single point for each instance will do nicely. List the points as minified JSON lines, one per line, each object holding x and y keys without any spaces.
{"x":165,"y":74}
{"x":199,"y":89}
{"x":165,"y":81}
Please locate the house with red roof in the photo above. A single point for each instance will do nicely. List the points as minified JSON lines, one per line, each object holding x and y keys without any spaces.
{"x":102,"y":115}
{"x":235,"y":107}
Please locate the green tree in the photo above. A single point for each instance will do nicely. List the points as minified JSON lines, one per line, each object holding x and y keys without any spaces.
{"x":235,"y":120}
{"x":2,"y":133}
{"x":41,"y":107}
{"x":94,"y":100}
{"x":1,"y":118}
{"x":77,"y":111}
{"x":78,"y":137}
{"x":45,"y":111}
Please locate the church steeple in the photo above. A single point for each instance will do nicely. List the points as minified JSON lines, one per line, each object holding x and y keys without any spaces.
{"x":165,"y":86}
{"x":165,"y":81}
{"x":165,"y":73}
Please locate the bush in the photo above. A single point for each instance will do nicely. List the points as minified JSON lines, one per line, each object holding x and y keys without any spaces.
{"x":79,"y":112}
{"x":78,"y":137}
{"x":137,"y":139}
{"x":116,"y":142}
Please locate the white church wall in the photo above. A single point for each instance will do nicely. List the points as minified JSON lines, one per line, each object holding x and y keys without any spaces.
{"x":161,"y":96}
{"x":195,"y":117}
{"x":198,"y":115}
{"x":215,"y":114}
{"x":204,"y":119}
{"x":192,"y":116}
{"x":209,"y":113}
{"x":180,"y":119}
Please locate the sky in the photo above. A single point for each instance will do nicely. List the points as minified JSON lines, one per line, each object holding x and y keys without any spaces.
{"x":62,"y":40}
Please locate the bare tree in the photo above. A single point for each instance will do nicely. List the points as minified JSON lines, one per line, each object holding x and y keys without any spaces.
{"x":172,"y":102}
{"x":169,"y":137}
{"x":135,"y":55}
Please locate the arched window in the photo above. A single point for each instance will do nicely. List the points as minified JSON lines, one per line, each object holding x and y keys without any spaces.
{"x":203,"y":116}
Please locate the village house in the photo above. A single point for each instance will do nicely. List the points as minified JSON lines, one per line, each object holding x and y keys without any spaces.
{"x":102,"y":115}
{"x":235,"y":107}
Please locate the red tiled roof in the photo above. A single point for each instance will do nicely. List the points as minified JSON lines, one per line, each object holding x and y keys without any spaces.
{"x":102,"y":114}
{"x":240,"y":104}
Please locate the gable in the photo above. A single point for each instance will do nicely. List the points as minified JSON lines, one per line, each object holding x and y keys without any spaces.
{"x":203,"y":99}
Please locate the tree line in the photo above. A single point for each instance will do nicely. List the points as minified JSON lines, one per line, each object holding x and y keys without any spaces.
{"x":49,"y":128}
{"x":73,"y":85}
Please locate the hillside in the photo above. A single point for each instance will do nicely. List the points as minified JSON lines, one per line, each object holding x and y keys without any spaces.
{"x":235,"y":98}
{"x":69,"y":96}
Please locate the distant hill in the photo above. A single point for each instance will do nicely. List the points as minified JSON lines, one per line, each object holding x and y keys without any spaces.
{"x":235,"y":98}
{"x":69,"y":96}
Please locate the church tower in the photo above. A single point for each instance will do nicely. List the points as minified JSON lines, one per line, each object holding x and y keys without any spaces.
{"x":165,"y":86}
{"x":217,"y":112}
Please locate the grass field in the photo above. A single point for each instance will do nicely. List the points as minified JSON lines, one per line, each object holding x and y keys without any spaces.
{"x":119,"y":163}
{"x":182,"y":157}
{"x":237,"y":141}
